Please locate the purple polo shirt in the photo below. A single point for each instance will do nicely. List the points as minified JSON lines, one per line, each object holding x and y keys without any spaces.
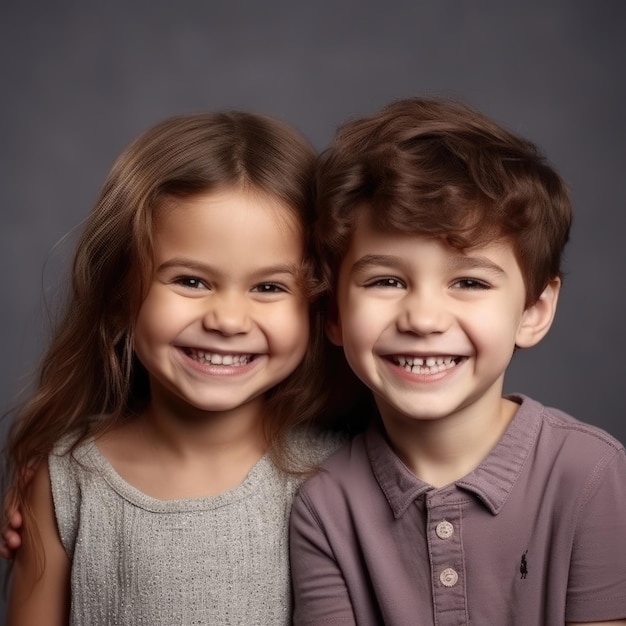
{"x":536,"y":534}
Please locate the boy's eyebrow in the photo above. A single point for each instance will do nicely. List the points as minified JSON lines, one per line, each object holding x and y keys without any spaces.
{"x":463,"y":262}
{"x":195,"y":266}
{"x":457,"y":262}
{"x":376,"y":260}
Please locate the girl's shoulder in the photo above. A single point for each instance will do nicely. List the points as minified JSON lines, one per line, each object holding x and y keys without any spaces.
{"x":311,"y":446}
{"x":77,"y":443}
{"x":70,"y":447}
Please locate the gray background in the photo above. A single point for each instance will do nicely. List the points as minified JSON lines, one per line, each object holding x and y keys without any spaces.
{"x":80,"y":80}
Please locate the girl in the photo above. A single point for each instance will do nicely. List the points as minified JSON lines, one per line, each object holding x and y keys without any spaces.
{"x":162,"y":427}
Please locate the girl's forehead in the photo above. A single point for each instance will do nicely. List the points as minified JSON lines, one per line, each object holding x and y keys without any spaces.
{"x":241,"y":206}
{"x":227,"y":222}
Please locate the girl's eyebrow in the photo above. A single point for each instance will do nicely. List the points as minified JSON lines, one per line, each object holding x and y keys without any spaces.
{"x":195,"y":266}
{"x":181,"y":262}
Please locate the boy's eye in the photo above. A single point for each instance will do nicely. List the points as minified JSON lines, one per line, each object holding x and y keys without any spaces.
{"x":470,"y":283}
{"x":387,"y":281}
{"x":269,"y":288}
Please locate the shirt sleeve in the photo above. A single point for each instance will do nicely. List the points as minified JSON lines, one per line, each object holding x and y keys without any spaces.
{"x":597,"y":582}
{"x":320,"y":593}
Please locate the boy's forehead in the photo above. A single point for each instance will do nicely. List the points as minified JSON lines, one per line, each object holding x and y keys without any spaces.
{"x":367,"y":237}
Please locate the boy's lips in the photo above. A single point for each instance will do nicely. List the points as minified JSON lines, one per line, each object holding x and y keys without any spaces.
{"x":219,"y":358}
{"x":426,"y":364}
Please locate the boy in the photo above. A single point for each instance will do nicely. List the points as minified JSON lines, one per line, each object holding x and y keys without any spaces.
{"x":443,"y":235}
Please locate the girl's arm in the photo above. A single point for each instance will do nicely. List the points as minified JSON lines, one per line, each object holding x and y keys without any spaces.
{"x":40,"y":581}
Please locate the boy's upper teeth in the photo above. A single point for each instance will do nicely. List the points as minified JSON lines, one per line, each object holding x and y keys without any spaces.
{"x":429,"y":361}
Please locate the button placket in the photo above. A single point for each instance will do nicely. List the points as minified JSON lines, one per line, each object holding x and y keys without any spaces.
{"x":447,"y":565}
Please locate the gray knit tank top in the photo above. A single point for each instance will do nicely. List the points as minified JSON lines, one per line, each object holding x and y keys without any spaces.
{"x":138,"y":560}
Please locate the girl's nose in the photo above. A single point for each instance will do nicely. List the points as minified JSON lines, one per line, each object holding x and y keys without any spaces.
{"x":227,"y":314}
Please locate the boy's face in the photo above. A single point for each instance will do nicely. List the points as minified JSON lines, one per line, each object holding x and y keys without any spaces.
{"x":431,"y":330}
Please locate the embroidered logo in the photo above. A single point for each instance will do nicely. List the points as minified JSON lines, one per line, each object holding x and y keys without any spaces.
{"x":523,"y":566}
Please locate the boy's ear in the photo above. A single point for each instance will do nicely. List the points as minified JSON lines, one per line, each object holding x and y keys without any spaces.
{"x":333,"y":326}
{"x":538,"y":317}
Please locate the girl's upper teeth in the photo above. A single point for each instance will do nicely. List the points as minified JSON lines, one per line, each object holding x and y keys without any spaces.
{"x":221,"y":359}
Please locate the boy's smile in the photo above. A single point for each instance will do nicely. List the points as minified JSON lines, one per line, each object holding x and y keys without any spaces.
{"x":429,"y":329}
{"x":225,"y":318}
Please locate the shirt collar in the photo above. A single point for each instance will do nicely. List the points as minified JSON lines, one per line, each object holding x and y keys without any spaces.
{"x":491,"y":481}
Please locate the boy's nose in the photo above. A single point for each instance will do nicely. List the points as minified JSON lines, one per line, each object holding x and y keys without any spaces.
{"x":227,"y":314}
{"x":423,"y":314}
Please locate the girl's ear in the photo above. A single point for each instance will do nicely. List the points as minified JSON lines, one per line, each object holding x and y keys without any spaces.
{"x":537,"y":318}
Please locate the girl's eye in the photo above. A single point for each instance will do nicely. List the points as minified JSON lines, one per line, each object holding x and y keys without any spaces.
{"x":269,"y":288}
{"x":191,"y":282}
{"x":387,"y":281}
{"x":471,"y":283}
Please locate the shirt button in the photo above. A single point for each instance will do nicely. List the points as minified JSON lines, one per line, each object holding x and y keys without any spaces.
{"x":444,"y":530}
{"x":448,"y":577}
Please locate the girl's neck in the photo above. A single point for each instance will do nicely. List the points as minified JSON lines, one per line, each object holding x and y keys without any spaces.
{"x":172,"y":452}
{"x":185,"y":431}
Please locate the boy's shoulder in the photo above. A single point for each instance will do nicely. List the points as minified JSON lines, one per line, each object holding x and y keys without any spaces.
{"x":559,"y":430}
{"x":571,"y":426}
{"x":569,"y":450}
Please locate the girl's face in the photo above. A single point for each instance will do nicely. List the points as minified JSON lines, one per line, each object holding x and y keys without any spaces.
{"x":225,"y":318}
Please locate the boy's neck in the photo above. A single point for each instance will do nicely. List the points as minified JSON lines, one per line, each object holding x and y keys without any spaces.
{"x":444,"y":450}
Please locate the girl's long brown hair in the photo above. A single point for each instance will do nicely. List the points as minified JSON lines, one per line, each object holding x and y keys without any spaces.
{"x":89,"y":379}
